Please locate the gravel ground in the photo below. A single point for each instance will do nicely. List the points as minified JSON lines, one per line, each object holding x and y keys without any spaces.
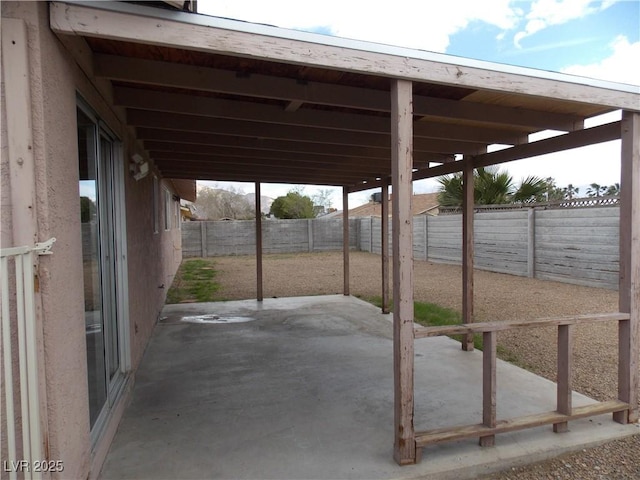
{"x":595,"y":354}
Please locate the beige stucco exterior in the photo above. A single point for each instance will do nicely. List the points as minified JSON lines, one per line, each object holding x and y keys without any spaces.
{"x":152,"y":258}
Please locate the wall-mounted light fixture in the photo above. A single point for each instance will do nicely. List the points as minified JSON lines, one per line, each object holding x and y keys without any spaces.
{"x":138,"y":167}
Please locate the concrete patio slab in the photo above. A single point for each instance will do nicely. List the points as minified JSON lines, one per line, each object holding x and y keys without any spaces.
{"x":302,"y":388}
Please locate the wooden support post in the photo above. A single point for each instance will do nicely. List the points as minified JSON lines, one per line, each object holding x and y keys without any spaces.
{"x":629,"y":287}
{"x":489,"y":345}
{"x":345,"y":237}
{"x":402,"y":245}
{"x":384,"y":219}
{"x":565,"y":347}
{"x":259,"y":295}
{"x":468,"y":203}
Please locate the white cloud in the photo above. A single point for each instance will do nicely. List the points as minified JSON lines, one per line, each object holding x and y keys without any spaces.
{"x":545,"y":13}
{"x":418,"y":24}
{"x":407,"y":23}
{"x":622,"y":66}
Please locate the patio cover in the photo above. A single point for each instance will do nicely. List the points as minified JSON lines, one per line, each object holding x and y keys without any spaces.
{"x":225,"y":100}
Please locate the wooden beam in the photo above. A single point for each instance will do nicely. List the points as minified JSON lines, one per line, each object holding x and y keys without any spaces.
{"x":258,"y":210}
{"x":305,"y":154}
{"x":384,"y":246}
{"x":257,"y":158}
{"x":402,"y":244}
{"x":226,"y":37}
{"x":197,"y":142}
{"x":283,"y":173}
{"x":167,"y":74}
{"x":193,"y":123}
{"x":439,"y":435}
{"x":481,"y":327}
{"x":489,"y":346}
{"x":629,"y":285}
{"x":243,"y":110}
{"x":345,"y":240}
{"x":468,"y":204}
{"x":565,"y":375}
{"x":219,"y":143}
{"x":247,"y":176}
{"x":478,"y":112}
{"x":175,"y":140}
{"x":580,"y":138}
{"x":176,"y":103}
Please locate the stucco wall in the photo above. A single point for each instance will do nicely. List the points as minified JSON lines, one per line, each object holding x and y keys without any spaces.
{"x":148,"y":280}
{"x":55,"y":78}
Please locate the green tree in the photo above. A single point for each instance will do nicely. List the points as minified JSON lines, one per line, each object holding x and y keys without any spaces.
{"x":87,"y":209}
{"x":491,"y":187}
{"x":293,"y":205}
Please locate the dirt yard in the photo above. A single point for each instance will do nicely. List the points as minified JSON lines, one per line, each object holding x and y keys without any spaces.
{"x":497,"y":297}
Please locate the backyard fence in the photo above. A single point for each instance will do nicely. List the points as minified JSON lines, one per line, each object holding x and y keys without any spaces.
{"x":575,"y":245}
{"x":238,"y":237}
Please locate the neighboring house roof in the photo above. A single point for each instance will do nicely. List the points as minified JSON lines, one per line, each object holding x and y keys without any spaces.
{"x":421,"y":204}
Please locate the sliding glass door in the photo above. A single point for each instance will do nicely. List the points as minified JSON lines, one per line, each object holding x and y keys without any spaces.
{"x":99,"y":200}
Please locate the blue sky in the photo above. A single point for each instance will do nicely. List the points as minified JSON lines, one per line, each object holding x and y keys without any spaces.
{"x":597,"y":39}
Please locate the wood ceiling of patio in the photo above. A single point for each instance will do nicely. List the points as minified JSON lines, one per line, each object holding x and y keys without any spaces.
{"x":226,"y":118}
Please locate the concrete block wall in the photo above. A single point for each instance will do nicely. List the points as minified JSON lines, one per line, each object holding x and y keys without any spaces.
{"x":572,"y":245}
{"x":219,"y":238}
{"x":578,"y":246}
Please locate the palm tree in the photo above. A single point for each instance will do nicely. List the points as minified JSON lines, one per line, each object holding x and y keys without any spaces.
{"x":596,"y":190}
{"x":450,"y":194}
{"x":613,"y":190}
{"x":569,"y":191}
{"x":531,"y":189}
{"x":491,"y":187}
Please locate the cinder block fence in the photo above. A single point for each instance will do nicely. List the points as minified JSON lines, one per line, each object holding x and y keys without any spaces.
{"x":575,"y":245}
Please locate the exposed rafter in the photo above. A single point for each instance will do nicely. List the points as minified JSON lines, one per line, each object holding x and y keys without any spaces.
{"x":150,"y":72}
{"x":221,"y":98}
{"x":580,"y":138}
{"x":194,"y":123}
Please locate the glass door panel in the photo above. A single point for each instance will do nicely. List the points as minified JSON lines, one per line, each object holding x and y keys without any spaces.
{"x":99,"y":216}
{"x":92,"y":265}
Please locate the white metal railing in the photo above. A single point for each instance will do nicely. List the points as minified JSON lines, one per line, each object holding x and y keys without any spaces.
{"x":24,"y":321}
